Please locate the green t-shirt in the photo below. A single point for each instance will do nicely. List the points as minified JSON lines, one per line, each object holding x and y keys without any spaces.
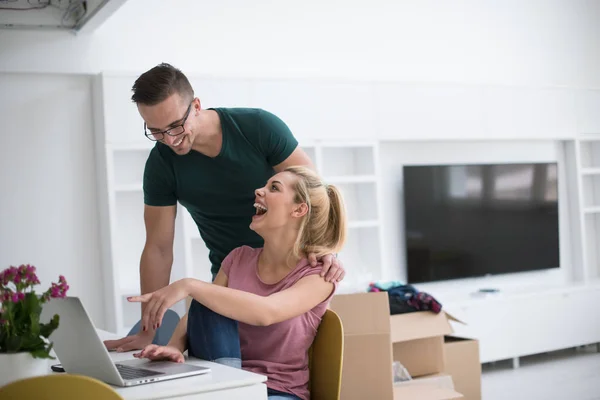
{"x":219,"y":192}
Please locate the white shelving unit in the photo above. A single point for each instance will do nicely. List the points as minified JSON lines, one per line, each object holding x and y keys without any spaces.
{"x":354,"y":169}
{"x":587,"y":154}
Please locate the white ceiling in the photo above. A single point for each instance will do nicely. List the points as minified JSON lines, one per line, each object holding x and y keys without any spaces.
{"x":77,"y":16}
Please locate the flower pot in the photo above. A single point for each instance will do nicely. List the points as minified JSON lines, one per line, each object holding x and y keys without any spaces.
{"x":15,"y":366}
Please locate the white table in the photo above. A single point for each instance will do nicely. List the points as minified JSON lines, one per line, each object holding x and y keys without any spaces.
{"x":221,"y":383}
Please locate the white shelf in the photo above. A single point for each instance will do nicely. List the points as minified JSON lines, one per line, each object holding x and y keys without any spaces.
{"x":589,"y":154}
{"x":347,"y":161}
{"x":361,"y":200}
{"x":589,"y":137}
{"x":128,"y":166}
{"x":591,"y":190}
{"x":590,"y":171}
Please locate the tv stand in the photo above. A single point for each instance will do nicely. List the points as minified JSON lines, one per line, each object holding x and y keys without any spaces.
{"x":514,"y":324}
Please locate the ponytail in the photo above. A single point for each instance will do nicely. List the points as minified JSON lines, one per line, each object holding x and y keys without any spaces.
{"x":323,"y":230}
{"x":336,"y":226}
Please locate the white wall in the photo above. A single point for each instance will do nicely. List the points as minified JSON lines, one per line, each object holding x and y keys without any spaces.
{"x":48,"y":203}
{"x":537,"y":42}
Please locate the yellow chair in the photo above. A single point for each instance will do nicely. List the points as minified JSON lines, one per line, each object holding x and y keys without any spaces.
{"x":326,"y":359}
{"x":63,"y":387}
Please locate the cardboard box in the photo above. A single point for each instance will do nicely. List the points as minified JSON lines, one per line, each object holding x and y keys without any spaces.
{"x":373,"y":339}
{"x":367,"y":365}
{"x":463,"y":364}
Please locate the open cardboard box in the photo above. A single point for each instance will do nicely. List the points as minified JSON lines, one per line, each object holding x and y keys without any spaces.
{"x":373,"y":339}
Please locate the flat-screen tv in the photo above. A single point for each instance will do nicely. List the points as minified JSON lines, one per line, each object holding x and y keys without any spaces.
{"x":474,"y":220}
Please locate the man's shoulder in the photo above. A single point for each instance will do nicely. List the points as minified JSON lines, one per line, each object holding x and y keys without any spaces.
{"x":247,"y":114}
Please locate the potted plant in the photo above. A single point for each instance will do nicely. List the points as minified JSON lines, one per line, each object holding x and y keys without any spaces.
{"x":24,"y":345}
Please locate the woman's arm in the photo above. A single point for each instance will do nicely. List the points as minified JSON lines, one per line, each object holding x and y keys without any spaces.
{"x":258,"y":310}
{"x":241,"y":306}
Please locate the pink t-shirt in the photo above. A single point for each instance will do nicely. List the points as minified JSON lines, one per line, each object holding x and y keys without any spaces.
{"x":279,"y":351}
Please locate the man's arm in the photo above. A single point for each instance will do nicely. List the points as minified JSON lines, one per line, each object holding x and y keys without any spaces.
{"x":155,"y":267}
{"x":157,"y":256}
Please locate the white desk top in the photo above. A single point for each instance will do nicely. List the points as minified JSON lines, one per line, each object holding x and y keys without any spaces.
{"x":221,"y":377}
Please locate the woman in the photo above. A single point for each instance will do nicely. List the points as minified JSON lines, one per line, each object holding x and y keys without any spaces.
{"x":274,"y":293}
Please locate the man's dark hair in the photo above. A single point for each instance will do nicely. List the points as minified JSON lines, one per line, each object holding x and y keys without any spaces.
{"x":160,"y":82}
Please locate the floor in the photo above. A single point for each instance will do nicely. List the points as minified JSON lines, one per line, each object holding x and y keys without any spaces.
{"x":572,"y":374}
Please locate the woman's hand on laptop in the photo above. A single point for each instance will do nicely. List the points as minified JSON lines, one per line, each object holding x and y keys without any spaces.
{"x":158,"y":302}
{"x":161,"y":353}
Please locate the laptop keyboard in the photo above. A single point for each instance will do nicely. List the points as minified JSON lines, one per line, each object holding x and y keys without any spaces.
{"x":135,"y":373}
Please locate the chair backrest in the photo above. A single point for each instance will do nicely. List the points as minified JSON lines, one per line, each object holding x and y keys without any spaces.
{"x":59,"y":386}
{"x":326,"y":359}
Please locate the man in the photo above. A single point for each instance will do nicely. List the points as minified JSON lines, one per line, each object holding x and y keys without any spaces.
{"x":211,"y":161}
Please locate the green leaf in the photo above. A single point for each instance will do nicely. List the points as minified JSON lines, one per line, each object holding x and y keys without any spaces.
{"x":47,"y":329}
{"x":41,"y":353}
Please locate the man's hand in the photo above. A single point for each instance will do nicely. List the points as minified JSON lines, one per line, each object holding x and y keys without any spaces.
{"x":158,"y":302}
{"x":133,"y":342}
{"x":333,"y":270}
{"x":160,"y":353}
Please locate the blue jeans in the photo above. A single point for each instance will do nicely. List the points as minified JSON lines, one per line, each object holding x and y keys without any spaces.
{"x":213,"y":337}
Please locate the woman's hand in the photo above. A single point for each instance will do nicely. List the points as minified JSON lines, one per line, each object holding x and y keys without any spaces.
{"x":161,"y":353}
{"x":158,"y":302}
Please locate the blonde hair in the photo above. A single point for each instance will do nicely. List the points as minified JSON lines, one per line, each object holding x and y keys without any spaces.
{"x":323,"y":229}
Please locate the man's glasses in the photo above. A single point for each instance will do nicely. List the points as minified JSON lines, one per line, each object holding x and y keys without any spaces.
{"x":174,"y":131}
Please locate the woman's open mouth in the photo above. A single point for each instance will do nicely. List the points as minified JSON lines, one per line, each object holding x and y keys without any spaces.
{"x":260,"y":210}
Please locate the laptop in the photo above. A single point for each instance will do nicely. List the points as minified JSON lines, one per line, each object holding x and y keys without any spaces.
{"x":81,"y":351}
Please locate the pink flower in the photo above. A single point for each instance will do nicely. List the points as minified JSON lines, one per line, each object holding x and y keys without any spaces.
{"x":6,"y":296}
{"x":18,"y":296}
{"x":59,"y":290}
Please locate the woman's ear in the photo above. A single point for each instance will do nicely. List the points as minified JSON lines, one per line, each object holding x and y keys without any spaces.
{"x":300,"y":210}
